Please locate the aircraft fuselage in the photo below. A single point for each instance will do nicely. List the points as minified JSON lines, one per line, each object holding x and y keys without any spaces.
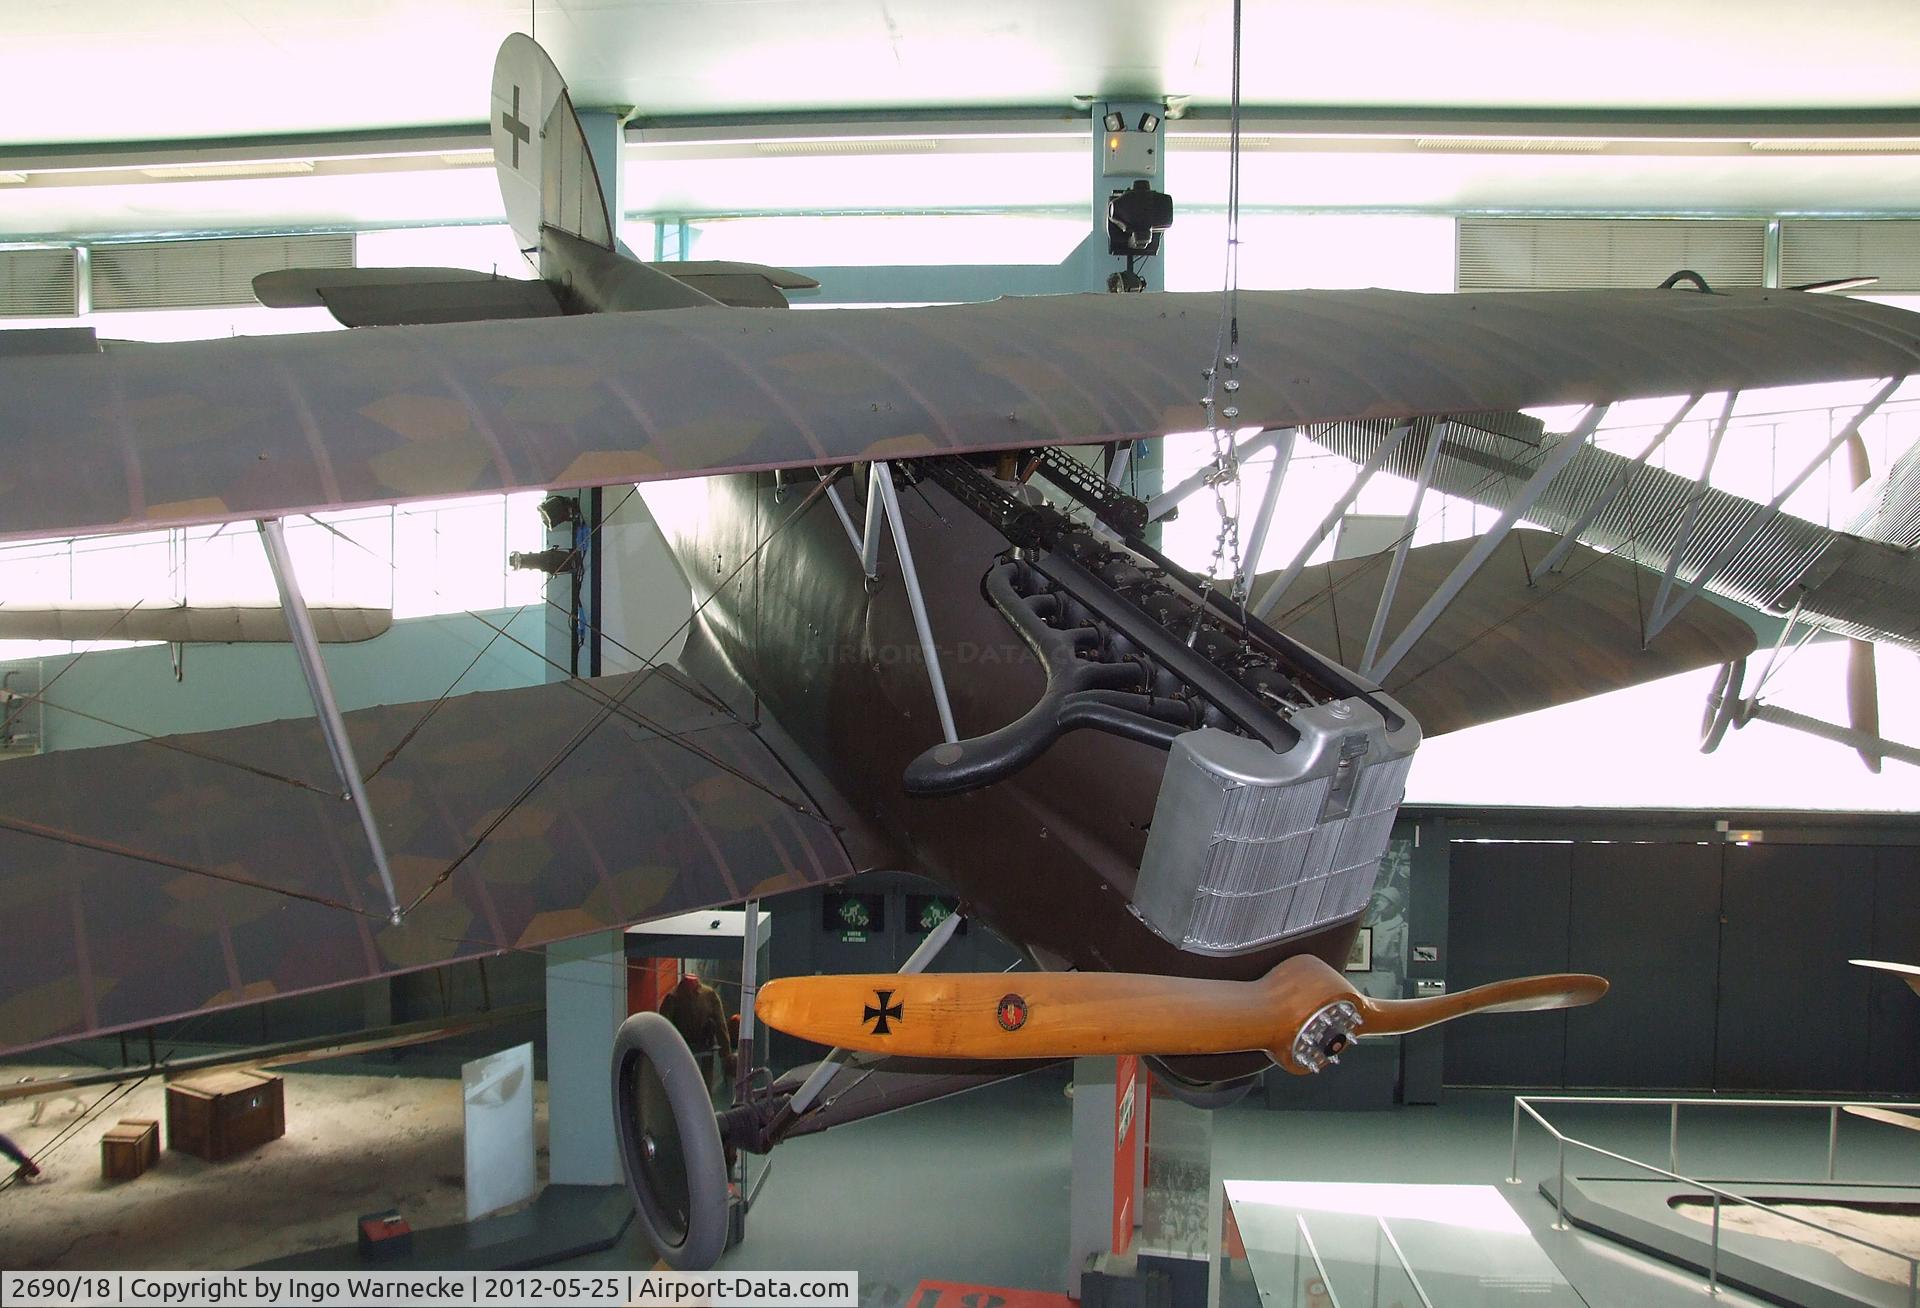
{"x":1049,"y":856}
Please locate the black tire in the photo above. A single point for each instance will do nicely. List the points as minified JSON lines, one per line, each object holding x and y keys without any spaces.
{"x":669,"y":1143}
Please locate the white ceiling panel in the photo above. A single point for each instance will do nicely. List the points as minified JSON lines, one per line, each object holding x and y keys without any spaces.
{"x":115,"y":70}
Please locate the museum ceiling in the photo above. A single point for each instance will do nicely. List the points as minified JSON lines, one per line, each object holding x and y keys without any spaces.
{"x":127,"y":70}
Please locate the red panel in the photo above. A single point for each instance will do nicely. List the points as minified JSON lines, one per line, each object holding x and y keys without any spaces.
{"x":648,"y":980}
{"x":1129,"y":1113}
{"x":952,"y":1294}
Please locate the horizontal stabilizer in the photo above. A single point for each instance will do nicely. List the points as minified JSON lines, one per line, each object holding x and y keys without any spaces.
{"x":230,"y":624}
{"x":398,"y":297}
{"x":742,"y":285}
{"x":1514,"y":639}
{"x":49,"y":340}
{"x":1302,"y":1014}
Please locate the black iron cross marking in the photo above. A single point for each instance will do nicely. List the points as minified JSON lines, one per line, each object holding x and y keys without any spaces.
{"x":878,"y":1016}
{"x":516,"y":129}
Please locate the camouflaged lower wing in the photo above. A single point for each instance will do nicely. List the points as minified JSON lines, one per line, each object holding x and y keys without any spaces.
{"x":1515,"y":639}
{"x":204,"y":886}
{"x":139,"y":436}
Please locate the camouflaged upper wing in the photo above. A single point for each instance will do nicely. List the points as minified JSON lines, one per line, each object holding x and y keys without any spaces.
{"x":250,"y":427}
{"x":203,"y":886}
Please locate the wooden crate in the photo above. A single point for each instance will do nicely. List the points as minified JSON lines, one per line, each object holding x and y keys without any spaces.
{"x":129,"y":1148}
{"x":216,"y":1115}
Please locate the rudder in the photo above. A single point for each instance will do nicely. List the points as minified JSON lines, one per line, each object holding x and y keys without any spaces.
{"x":547,"y":176}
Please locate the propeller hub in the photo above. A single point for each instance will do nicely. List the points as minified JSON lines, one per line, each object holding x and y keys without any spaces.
{"x":1326,"y":1035}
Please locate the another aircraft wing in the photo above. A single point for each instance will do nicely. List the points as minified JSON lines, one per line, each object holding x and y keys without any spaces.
{"x":204,"y":877}
{"x":1515,"y":639}
{"x":1905,"y":971}
{"x":197,"y":624}
{"x":205,"y":431}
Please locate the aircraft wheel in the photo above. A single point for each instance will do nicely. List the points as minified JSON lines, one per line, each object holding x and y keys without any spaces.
{"x":669,"y":1143}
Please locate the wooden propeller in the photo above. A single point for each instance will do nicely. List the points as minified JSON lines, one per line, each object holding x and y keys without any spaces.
{"x":1302,"y":1014}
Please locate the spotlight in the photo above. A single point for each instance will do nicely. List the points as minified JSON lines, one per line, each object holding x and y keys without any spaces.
{"x":551,"y":562}
{"x":1113,"y":122}
{"x":1135,"y":219}
{"x":559,"y":511}
{"x":1149,"y":122}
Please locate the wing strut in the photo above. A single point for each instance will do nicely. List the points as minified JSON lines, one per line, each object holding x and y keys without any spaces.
{"x":830,"y":1065}
{"x":881,"y":495}
{"x":1760,"y":517}
{"x":1435,"y":439}
{"x":1550,"y":467}
{"x":1167,"y":501}
{"x":306,"y":645}
{"x":1263,"y":518}
{"x":1374,"y":463}
{"x":1690,"y":516}
{"x":1605,"y":500}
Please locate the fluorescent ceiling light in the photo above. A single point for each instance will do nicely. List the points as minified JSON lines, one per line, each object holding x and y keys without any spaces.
{"x":1838,"y":145}
{"x":245,"y":168}
{"x":899,"y":145}
{"x":1509,"y":144}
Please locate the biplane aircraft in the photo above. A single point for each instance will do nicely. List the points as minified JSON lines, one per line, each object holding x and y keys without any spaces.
{"x":1172,"y":807}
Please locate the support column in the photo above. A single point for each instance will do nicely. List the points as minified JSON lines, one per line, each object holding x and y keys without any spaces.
{"x":1090,"y":1199}
{"x":1422,"y":1053}
{"x":561,"y":632}
{"x":586,"y":1002}
{"x":582,"y":647}
{"x":1106,"y":1203}
{"x":1148,"y":463}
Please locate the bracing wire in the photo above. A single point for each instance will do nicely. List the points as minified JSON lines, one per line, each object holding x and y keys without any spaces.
{"x":614,"y":703}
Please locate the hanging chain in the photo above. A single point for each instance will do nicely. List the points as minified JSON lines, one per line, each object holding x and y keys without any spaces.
{"x":1223,"y":382}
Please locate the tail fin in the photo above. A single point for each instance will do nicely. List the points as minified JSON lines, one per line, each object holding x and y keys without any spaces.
{"x":547,"y":176}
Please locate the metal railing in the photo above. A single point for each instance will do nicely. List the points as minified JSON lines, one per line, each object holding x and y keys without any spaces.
{"x":1832,"y":1107}
{"x":1320,"y":1290}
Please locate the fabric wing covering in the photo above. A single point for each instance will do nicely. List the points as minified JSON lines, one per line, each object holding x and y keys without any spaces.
{"x":138,"y":436}
{"x":1515,"y":639}
{"x":667,"y":805}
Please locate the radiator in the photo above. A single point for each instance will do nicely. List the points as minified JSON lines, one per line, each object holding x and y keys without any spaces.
{"x":1250,"y":847}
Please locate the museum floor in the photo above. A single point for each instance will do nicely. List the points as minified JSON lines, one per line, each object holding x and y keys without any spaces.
{"x":974,"y":1190}
{"x":971,"y":1190}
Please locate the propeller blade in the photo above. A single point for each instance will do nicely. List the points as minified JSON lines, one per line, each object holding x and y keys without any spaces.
{"x":1891,"y":1116}
{"x":1859,"y":469}
{"x":1863,"y":678}
{"x":1863,"y":696}
{"x":1303,"y":1014}
{"x":1526,"y":994}
{"x":1837,"y":285}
